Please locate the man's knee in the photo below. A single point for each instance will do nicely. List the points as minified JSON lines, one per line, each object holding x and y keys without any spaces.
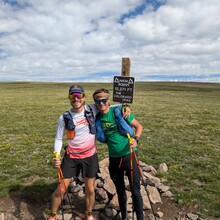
{"x":90,"y":185}
{"x":59,"y":192}
{"x":90,"y":190}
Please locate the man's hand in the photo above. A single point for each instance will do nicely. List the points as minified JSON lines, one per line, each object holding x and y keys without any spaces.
{"x":133,"y":143}
{"x":126,"y":111}
{"x":56,"y":160}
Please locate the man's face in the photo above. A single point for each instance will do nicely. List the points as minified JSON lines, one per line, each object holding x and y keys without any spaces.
{"x":77,"y":100}
{"x":102,"y":101}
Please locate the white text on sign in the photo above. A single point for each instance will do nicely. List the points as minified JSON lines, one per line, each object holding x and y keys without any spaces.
{"x":123,"y":89}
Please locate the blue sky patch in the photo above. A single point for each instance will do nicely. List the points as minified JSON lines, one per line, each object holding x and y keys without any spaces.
{"x":158,"y":77}
{"x":15,"y":5}
{"x":155,"y":4}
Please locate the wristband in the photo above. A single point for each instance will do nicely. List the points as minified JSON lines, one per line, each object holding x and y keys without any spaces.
{"x":136,"y":138}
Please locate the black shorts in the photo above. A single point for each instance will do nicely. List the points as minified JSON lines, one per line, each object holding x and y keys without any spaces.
{"x":71,"y":167}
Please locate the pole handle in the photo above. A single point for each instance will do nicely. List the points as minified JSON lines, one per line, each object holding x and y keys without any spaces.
{"x":56,"y":154}
{"x":129,"y":138}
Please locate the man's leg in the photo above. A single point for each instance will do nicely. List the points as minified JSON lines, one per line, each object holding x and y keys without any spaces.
{"x":135,"y":188}
{"x":117,"y":176}
{"x":90,"y":192}
{"x":89,"y":172}
{"x":58,"y":195}
{"x":122,"y":196}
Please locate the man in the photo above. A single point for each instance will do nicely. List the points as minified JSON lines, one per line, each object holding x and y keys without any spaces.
{"x":119,"y":147}
{"x":80,"y":153}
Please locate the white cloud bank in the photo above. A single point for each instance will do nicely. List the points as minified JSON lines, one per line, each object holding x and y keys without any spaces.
{"x":84,"y":40}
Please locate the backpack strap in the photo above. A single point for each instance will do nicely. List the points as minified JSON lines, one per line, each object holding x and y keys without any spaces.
{"x":100,"y":135}
{"x":124,"y":126}
{"x":91,"y":120}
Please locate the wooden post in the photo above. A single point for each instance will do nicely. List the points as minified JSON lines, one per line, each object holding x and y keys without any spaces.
{"x":125,"y":68}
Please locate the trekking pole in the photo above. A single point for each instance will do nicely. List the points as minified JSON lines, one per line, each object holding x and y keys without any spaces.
{"x":131,"y":168}
{"x":59,"y":184}
{"x":145,"y":185}
{"x":60,"y":180}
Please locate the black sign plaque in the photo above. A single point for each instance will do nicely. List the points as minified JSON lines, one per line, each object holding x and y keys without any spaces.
{"x":123,"y":89}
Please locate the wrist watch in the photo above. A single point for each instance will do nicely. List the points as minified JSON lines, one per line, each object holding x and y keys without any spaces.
{"x":136,"y":138}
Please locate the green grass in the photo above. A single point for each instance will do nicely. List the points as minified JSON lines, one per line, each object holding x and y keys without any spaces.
{"x":181,"y":128}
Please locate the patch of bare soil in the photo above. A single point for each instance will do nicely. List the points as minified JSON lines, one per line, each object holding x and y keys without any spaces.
{"x":16,"y":207}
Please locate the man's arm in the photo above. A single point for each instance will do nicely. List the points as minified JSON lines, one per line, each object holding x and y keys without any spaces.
{"x":138,"y":131}
{"x":125,"y":109}
{"x":58,"y":142}
{"x":137,"y":126}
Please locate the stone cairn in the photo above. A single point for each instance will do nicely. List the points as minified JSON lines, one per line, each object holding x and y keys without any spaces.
{"x":106,"y":204}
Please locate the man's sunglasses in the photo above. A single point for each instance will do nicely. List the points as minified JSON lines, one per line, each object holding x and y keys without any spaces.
{"x":98,"y":101}
{"x":76,"y":95}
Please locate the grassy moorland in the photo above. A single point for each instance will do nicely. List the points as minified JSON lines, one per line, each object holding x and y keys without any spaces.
{"x":181,"y":128}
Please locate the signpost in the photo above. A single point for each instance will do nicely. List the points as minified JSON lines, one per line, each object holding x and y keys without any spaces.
{"x":125,"y":67}
{"x":123,"y":86}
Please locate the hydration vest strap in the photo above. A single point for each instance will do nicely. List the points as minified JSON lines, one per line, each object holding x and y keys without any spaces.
{"x":99,"y":130}
{"x":91,"y":120}
{"x":69,"y":124}
{"x":68,"y":119}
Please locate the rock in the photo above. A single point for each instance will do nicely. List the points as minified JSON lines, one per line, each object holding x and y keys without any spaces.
{"x":162,"y":168}
{"x":103,"y":216}
{"x":153,"y":181}
{"x":192,"y":216}
{"x":109,"y":185}
{"x":162,"y":188}
{"x":108,"y":212}
{"x":151,"y":217}
{"x":75,"y":189}
{"x":114,"y":202}
{"x":2,"y":216}
{"x":99,"y":183}
{"x":167,"y":194}
{"x":67,"y":216}
{"x":81,"y":194}
{"x":154,"y":195}
{"x":101,"y":195}
{"x":159,"y":214}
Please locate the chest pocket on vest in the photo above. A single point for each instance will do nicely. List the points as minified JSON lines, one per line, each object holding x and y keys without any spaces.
{"x":69,"y":125}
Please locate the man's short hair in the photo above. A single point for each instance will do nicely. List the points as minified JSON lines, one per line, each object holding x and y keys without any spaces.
{"x":100,"y":91}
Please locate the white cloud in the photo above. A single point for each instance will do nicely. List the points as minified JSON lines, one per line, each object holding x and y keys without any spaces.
{"x":59,"y":40}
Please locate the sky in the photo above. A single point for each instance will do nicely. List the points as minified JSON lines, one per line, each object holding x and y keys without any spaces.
{"x":85,"y":40}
